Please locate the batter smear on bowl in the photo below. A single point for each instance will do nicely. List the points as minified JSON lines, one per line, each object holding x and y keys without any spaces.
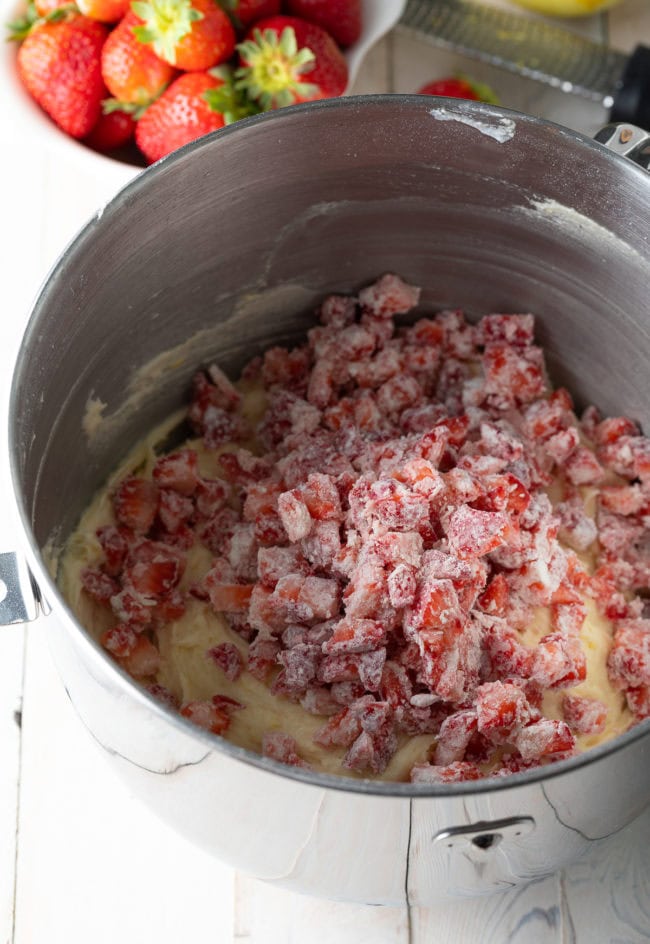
{"x":389,"y":552}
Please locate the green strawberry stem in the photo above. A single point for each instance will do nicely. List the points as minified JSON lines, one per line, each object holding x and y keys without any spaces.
{"x":227,"y":99}
{"x":166,"y":22}
{"x":484,"y":92}
{"x":274,"y":68}
{"x":21,"y":28}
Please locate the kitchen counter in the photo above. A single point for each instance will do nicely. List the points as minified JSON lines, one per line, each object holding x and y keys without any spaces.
{"x":81,"y":860}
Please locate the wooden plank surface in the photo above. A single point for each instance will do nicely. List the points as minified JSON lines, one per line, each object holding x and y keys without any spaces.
{"x":93,"y":863}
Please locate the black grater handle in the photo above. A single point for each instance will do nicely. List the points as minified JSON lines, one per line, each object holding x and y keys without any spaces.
{"x":632,"y":96}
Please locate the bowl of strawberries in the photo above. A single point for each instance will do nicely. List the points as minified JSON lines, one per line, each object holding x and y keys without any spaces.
{"x":122,"y":83}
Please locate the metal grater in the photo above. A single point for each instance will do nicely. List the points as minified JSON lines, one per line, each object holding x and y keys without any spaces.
{"x":528,"y":47}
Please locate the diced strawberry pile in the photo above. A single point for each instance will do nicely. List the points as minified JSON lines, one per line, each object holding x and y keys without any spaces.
{"x":381,"y":555}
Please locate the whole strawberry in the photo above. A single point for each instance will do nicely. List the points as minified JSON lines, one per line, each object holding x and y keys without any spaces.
{"x":133,"y":73}
{"x":107,"y":11}
{"x":59,"y":64}
{"x":192,"y":35}
{"x":341,"y":18}
{"x":113,"y":130}
{"x":460,"y":87}
{"x":180,"y":115}
{"x":285,"y":60}
{"x":245,"y":12}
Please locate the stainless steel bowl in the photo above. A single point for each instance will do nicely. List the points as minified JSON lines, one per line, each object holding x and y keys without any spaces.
{"x":225,"y":248}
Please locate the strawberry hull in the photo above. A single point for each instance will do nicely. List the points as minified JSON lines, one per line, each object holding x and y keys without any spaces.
{"x":215,"y":271}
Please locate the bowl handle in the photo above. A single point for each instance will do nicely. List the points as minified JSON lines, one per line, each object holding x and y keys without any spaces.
{"x":19,"y":598}
{"x":628,"y":141}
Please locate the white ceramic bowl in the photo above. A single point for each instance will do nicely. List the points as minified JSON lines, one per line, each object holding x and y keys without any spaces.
{"x":28,"y":122}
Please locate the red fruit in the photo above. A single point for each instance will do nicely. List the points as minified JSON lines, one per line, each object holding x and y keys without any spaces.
{"x":113,"y":130}
{"x":135,"y":504}
{"x":180,"y":115}
{"x":45,"y":7}
{"x":246,"y":12}
{"x":457,"y":87}
{"x":59,"y":64}
{"x":107,"y":11}
{"x":340,"y":18}
{"x":131,"y":70}
{"x":192,"y":35}
{"x":285,"y":60}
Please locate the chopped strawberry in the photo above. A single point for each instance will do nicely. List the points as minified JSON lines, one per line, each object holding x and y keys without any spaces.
{"x":135,"y":502}
{"x":206,"y":715}
{"x":228,"y":658}
{"x":178,"y":471}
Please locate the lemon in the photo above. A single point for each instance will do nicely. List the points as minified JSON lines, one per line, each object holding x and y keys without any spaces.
{"x":567,"y":7}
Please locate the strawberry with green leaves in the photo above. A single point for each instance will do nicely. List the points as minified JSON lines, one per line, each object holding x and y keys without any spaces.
{"x":195,"y":104}
{"x":285,"y":60}
{"x":59,"y":64}
{"x":192,"y":35}
{"x":460,"y":87}
{"x":340,"y":18}
{"x":133,"y":73}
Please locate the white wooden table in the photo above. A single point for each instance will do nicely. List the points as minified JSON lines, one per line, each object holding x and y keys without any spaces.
{"x":80,"y":859}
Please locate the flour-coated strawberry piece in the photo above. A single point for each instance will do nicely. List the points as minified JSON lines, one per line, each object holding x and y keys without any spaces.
{"x":273,"y":563}
{"x":516,"y":330}
{"x":243,"y":468}
{"x":228,"y":658}
{"x":365,"y":591}
{"x":323,"y":544}
{"x":128,"y":607}
{"x":343,"y":728}
{"x":262,"y":657}
{"x":507,"y":654}
{"x":396,"y":687}
{"x":283,"y":748}
{"x":545,"y":738}
{"x":583,"y":468}
{"x":120,"y":640}
{"x":454,"y":736}
{"x":397,"y":394}
{"x":458,"y":772}
{"x":318,"y":700}
{"x":174,"y":509}
{"x":143,"y":660}
{"x":584,"y":715}
{"x":568,"y":618}
{"x":300,"y":665}
{"x":164,"y":696}
{"x":207,"y":716}
{"x":558,"y":661}
{"x":561,"y":445}
{"x":616,"y":534}
{"x":99,"y":585}
{"x":230,"y":598}
{"x":115,"y":544}
{"x":474,"y":533}
{"x":402,"y":585}
{"x":628,"y":663}
{"x":494,"y":600}
{"x":288,"y":369}
{"x":321,"y":497}
{"x":513,"y":375}
{"x":502,"y":709}
{"x":577,"y":529}
{"x":241,"y":550}
{"x":178,"y":471}
{"x":210,"y":496}
{"x":153,"y":579}
{"x":59,"y":63}
{"x":389,"y":295}
{"x":377,"y":742}
{"x":623,"y":499}
{"x":397,"y":508}
{"x":135,"y":503}
{"x":612,"y":429}
{"x":216,"y":531}
{"x":638,"y":701}
{"x":355,"y":635}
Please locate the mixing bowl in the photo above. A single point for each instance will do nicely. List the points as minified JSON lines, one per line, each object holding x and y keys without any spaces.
{"x":219,"y":251}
